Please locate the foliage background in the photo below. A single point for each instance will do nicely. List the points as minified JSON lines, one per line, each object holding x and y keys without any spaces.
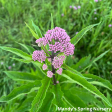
{"x":14,"y":14}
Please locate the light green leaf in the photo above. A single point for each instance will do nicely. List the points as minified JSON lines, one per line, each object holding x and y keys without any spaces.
{"x":75,"y":39}
{"x":52,"y":24}
{"x":21,"y":76}
{"x":37,"y":30}
{"x":84,"y":83}
{"x":47,"y":102}
{"x":53,"y":108}
{"x":25,"y":89}
{"x":22,"y":60}
{"x":99,"y":81}
{"x":28,"y":48}
{"x":33,"y":33}
{"x":17,"y":52}
{"x":73,"y":71}
{"x":38,"y":100}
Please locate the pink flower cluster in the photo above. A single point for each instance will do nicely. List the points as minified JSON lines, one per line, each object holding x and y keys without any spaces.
{"x":58,"y":41}
{"x":39,"y":56}
{"x":58,"y":61}
{"x":62,"y":41}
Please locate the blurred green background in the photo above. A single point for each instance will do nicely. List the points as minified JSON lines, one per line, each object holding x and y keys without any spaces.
{"x":71,"y":15}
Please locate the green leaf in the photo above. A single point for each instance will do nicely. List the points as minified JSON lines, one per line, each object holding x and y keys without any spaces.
{"x":75,"y":39}
{"x":22,"y":60}
{"x":73,"y":100}
{"x":25,"y":89}
{"x":37,"y":30}
{"x":33,"y":33}
{"x":73,"y":71}
{"x":86,"y":96}
{"x":38,"y":100}
{"x":21,"y":76}
{"x":47,"y":102}
{"x":84,"y":83}
{"x":84,"y":63}
{"x":28,"y":48}
{"x":99,"y":81}
{"x":17,"y":52}
{"x":26,"y":104}
{"x":53,"y":108}
{"x":58,"y":96}
{"x":52,"y":24}
{"x":38,"y":66}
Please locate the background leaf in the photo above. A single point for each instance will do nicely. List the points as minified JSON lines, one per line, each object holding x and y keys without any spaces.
{"x":25,"y":89}
{"x":75,"y":39}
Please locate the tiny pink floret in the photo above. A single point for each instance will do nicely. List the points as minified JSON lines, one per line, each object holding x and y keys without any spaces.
{"x":44,"y":67}
{"x":49,"y":74}
{"x":59,"y":71}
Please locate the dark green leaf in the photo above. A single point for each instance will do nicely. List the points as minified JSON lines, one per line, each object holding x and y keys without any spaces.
{"x":47,"y":102}
{"x":84,"y":83}
{"x":75,"y":39}
{"x":25,"y":89}
{"x":99,"y":81}
{"x":22,"y":76}
{"x":38,"y":100}
{"x":17,"y":52}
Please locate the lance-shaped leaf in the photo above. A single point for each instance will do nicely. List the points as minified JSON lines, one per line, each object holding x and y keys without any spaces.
{"x":21,"y":76}
{"x":85,"y":62}
{"x":33,"y":33}
{"x":58,"y":96}
{"x":38,"y":100}
{"x":99,"y":81}
{"x":22,"y":60}
{"x":84,"y":83}
{"x":53,"y":108}
{"x":37,"y":30}
{"x":17,"y":52}
{"x":52,"y":24}
{"x":86,"y":96}
{"x":25,"y":89}
{"x":47,"y":102}
{"x":26,"y":104}
{"x":73,"y":100}
{"x":73,"y":71}
{"x":28,"y":48}
{"x":75,"y":39}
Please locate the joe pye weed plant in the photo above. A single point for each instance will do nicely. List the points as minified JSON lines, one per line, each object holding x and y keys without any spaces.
{"x":55,"y":84}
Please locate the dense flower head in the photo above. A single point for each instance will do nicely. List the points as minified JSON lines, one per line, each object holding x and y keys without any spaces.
{"x":58,"y":61}
{"x":58,"y":40}
{"x":39,"y":55}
